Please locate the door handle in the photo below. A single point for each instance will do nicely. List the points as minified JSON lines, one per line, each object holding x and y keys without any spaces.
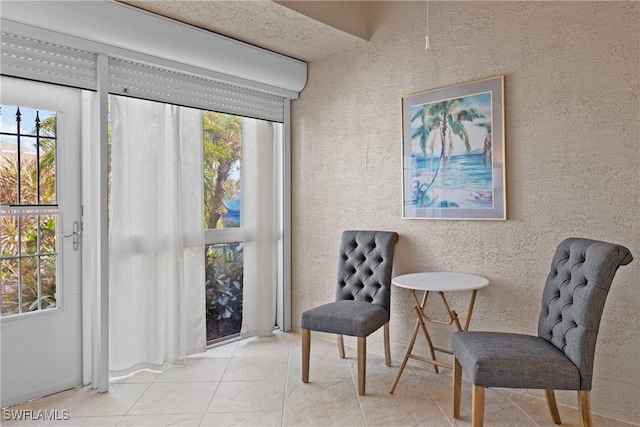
{"x":76,"y":236}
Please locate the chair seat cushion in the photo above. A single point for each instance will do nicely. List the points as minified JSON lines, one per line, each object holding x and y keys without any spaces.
{"x":354,"y":318}
{"x":495,"y":359}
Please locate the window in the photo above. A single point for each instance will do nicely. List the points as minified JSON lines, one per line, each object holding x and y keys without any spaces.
{"x":224,"y":267}
{"x":177,"y":172}
{"x":242,"y":222}
{"x":28,"y":216}
{"x":222,"y":160}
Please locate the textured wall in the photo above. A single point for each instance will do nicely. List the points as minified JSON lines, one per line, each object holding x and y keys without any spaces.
{"x":349,"y":16}
{"x":572,"y":75}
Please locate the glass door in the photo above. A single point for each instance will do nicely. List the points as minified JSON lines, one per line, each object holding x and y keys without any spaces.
{"x":40,"y":225}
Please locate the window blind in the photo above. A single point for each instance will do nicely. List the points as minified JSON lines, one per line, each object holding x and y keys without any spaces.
{"x":39,"y":60}
{"x":157,"y":84}
{"x":30,"y":58}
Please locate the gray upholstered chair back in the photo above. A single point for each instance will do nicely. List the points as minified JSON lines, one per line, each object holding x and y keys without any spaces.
{"x":364,"y":266}
{"x":573,"y":298}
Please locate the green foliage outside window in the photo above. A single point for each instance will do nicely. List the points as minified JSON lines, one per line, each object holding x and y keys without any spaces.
{"x":224,"y":279}
{"x":30,"y":237}
{"x":223,"y":262}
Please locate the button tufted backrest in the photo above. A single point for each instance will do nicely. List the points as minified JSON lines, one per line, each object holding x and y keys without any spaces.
{"x":364,"y":266}
{"x":573,"y":298}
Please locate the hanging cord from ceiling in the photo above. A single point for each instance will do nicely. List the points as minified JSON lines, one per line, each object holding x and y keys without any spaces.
{"x":427,"y":41}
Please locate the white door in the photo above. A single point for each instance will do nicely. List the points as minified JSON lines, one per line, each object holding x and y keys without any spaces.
{"x":40,"y":225}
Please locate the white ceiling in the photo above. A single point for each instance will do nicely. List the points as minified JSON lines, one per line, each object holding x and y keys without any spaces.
{"x":268,"y":24}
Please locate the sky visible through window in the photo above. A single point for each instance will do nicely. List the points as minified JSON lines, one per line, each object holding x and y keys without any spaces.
{"x":27,"y":123}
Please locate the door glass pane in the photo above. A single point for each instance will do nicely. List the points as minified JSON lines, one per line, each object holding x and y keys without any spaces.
{"x":48,"y":291}
{"x":9,"y":282}
{"x":27,"y":156}
{"x":28,"y":259}
{"x":28,"y":234}
{"x":28,"y":215}
{"x":9,"y":233}
{"x":47,"y":234}
{"x":29,"y":283}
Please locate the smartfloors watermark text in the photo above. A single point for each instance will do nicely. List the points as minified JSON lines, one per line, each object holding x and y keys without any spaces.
{"x":31,"y":415}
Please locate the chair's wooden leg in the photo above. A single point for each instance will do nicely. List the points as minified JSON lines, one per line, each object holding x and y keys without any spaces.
{"x":457,"y":387}
{"x":553,"y":406}
{"x":477,"y":413}
{"x":362,"y":364}
{"x":341,"y":347}
{"x":584,"y":403}
{"x":306,"y":350}
{"x":387,"y":348}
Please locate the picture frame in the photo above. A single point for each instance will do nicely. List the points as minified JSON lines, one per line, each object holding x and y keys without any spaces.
{"x":453,"y":152}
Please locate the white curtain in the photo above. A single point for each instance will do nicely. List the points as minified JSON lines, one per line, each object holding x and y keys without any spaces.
{"x":156,"y":259}
{"x":260,"y":225}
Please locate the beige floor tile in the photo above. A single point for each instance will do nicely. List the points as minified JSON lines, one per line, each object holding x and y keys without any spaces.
{"x":321,"y":367}
{"x":276,"y":345}
{"x":499,"y":409}
{"x":242,"y":419}
{"x":380,"y":377}
{"x":323,"y":416}
{"x":400,"y":413}
{"x":223,"y":351}
{"x":145,"y":376}
{"x":11,"y":420}
{"x":89,"y":403}
{"x":195,"y":370}
{"x":248,"y":396}
{"x":410,"y":404}
{"x":256,"y":369}
{"x":161,"y":420}
{"x":505,"y":414}
{"x":439,"y":386}
{"x":321,"y":344}
{"x":27,"y":413}
{"x":175,"y":398}
{"x":337,"y":394}
{"x":536,"y":407}
{"x":52,"y":402}
{"x":609,"y":422}
{"x":410,"y":392}
{"x":258,"y":382}
{"x":110,"y":421}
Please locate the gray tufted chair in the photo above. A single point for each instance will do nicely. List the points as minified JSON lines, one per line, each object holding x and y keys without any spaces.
{"x":363,"y":297}
{"x":561,"y":356}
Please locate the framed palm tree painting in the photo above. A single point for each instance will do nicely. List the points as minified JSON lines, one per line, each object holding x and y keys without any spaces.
{"x":454,"y":152}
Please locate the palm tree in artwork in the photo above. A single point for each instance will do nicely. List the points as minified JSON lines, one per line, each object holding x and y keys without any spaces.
{"x":487,"y":146}
{"x":440,"y":122}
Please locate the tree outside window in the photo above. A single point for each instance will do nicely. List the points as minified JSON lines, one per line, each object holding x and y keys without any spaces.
{"x":222,"y":205}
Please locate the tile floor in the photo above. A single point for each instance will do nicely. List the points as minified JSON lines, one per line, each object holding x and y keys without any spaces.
{"x":256,"y":382}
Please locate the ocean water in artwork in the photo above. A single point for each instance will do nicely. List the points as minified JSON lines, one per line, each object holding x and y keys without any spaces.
{"x":465,"y":182}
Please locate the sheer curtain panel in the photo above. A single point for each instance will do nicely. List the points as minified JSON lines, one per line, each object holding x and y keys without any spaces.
{"x":156,"y":259}
{"x":260,"y":225}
